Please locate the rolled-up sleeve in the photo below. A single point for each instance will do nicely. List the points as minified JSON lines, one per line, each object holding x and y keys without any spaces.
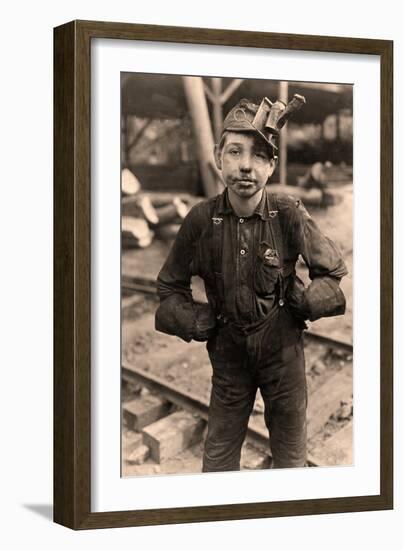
{"x":323,"y":297}
{"x":320,"y":254}
{"x":175,"y":275}
{"x":176,"y":314}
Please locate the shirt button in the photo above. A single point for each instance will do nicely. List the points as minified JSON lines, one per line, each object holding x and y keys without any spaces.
{"x":241,"y":220}
{"x":243,"y":252}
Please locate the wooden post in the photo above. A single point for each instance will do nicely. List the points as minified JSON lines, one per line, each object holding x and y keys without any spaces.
{"x":124,"y":156}
{"x":283,"y":96}
{"x":230,"y":89}
{"x":196,"y":99}
{"x":216,"y":85}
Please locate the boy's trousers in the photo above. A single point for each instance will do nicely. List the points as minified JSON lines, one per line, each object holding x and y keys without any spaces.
{"x":271,"y":358}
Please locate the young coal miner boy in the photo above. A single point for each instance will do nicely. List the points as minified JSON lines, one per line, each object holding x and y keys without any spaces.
{"x":244,"y":244}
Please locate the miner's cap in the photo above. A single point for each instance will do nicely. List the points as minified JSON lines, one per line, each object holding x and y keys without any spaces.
{"x":265,"y":119}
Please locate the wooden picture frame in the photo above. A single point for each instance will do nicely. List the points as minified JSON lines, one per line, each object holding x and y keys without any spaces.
{"x":72,"y":272}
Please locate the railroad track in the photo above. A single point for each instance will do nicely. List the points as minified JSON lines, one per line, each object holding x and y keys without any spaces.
{"x":166,"y":391}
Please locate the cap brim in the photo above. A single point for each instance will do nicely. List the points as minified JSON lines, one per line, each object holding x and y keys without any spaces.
{"x":249,"y":128}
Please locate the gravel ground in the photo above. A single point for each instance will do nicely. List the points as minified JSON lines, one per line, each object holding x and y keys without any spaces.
{"x":188,"y":367}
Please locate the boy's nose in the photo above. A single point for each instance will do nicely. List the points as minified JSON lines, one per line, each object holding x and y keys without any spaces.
{"x":245,"y":163}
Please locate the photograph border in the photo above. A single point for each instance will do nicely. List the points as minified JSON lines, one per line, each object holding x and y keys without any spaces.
{"x":72,"y":274}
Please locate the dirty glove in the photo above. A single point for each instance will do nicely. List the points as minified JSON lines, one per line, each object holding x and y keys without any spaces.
{"x":325,"y":298}
{"x":205,"y":322}
{"x":179,"y":316}
{"x":296,"y":299}
{"x":175,"y":316}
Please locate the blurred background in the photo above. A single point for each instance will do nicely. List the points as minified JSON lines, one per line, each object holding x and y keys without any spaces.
{"x":165,"y":117}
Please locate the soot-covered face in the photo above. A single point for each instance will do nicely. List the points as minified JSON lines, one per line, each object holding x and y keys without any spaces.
{"x":245,"y":162}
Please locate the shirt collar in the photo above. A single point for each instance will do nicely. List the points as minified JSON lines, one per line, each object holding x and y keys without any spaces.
{"x":262,"y":209}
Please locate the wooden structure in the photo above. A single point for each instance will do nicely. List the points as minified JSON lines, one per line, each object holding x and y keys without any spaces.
{"x":207,"y":101}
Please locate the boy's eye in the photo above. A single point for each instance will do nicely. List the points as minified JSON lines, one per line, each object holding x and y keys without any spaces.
{"x":261,"y":155}
{"x":234,"y":152}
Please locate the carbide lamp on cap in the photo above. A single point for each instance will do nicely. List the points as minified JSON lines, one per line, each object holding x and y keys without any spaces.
{"x":266,"y":119}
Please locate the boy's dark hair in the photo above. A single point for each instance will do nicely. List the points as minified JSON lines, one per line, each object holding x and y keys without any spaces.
{"x":269,"y":149}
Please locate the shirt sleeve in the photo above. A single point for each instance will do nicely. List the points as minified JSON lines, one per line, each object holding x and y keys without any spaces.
{"x":318,"y":251}
{"x":175,"y":275}
{"x":323,"y":297}
{"x":177,"y":313}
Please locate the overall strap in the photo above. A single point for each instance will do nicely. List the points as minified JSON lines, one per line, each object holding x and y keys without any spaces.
{"x":217,"y":248}
{"x":217,"y":240}
{"x":278,"y":243}
{"x":275,"y":228}
{"x":279,"y":231}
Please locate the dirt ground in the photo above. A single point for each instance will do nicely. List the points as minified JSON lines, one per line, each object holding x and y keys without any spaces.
{"x":187,"y":366}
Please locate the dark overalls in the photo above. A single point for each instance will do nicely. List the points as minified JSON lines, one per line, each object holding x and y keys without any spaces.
{"x":266,"y":352}
{"x":248,"y":268}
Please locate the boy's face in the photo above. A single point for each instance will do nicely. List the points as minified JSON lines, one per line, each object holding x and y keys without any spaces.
{"x":245,"y":162}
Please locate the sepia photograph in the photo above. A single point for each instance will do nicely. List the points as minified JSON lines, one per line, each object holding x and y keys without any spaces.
{"x":236,"y":274}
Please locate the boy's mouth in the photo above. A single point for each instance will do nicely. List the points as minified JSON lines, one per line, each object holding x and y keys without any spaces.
{"x":245,"y":180}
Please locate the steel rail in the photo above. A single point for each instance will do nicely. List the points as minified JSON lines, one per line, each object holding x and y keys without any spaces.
{"x":189,"y":401}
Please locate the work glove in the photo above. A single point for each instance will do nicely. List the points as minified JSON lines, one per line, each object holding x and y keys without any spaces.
{"x":296,"y":299}
{"x":179,"y":316}
{"x":205,"y":322}
{"x":175,"y":316}
{"x":325,"y":298}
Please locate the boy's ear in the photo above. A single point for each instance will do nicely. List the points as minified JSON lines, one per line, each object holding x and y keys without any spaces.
{"x":217,"y":156}
{"x":273,"y":164}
